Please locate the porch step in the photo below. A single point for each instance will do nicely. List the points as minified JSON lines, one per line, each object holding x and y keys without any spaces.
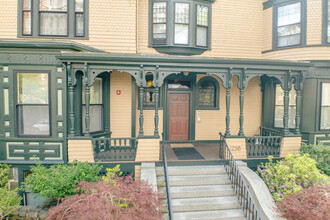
{"x":195,"y":180}
{"x":233,"y":214}
{"x":199,"y":192}
{"x":204,"y":204}
{"x":192,"y":170}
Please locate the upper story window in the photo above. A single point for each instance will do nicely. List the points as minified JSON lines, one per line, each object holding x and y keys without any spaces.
{"x":180,"y":27}
{"x":325,"y":106}
{"x":279,"y":107}
{"x":53,"y":18}
{"x":32,"y":105}
{"x":288,"y":30}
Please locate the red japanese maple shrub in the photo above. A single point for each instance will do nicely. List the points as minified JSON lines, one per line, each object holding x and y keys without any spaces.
{"x":308,"y":204}
{"x":125,"y":199}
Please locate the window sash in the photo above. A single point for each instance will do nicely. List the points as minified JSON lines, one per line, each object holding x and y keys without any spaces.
{"x":96,"y":116}
{"x":325,"y":107}
{"x":289,"y":25}
{"x":27,"y":17}
{"x":32,"y":104}
{"x":181,"y":26}
{"x":159,"y":19}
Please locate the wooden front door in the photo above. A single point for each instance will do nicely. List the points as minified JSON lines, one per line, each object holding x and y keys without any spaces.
{"x":179,"y":116}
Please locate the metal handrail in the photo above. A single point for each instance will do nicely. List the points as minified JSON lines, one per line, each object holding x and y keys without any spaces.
{"x":167,"y":182}
{"x":239,"y":185}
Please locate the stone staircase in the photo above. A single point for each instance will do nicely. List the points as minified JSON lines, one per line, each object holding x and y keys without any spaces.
{"x":200,"y":192}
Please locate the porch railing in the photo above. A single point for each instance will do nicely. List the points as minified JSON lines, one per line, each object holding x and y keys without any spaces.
{"x":167,"y":182}
{"x":241,"y":189}
{"x":114,"y":149}
{"x":270,"y":132}
{"x":263,"y":146}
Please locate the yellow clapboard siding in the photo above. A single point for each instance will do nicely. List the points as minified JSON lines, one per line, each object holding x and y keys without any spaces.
{"x":237,"y":147}
{"x":290,"y":145}
{"x":137,"y":172}
{"x":81,"y":150}
{"x":148,"y":150}
{"x":120,"y":105}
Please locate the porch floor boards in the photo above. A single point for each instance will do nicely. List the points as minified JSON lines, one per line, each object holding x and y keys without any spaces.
{"x":210,"y":151}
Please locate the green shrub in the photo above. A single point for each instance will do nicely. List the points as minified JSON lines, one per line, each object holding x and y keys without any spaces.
{"x":9,"y":199}
{"x":290,"y":175}
{"x":321,"y":154}
{"x":60,"y":180}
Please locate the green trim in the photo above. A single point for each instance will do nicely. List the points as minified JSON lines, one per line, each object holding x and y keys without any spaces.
{"x":182,"y":63}
{"x":271,"y":3}
{"x":46,"y":44}
{"x":169,"y":46}
{"x":207,"y":141}
{"x":35,"y":22}
{"x":320,"y":105}
{"x":325,"y":13}
{"x":303,"y":23}
{"x":216,"y":94}
{"x":133,"y":107}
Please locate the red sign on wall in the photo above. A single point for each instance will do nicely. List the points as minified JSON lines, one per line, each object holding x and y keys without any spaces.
{"x":118,"y":92}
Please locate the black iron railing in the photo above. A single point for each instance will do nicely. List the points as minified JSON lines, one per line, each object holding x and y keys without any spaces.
{"x":263,"y":146}
{"x":270,"y":132}
{"x":167,"y":182}
{"x":241,"y":189}
{"x":114,"y":149}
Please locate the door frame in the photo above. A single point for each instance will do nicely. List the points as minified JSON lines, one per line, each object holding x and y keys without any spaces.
{"x":191,"y":92}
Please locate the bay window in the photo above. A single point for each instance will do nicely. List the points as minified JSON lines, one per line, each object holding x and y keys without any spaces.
{"x":181,"y":28}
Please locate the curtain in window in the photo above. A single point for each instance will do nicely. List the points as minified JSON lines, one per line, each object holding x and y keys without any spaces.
{"x":53,"y":17}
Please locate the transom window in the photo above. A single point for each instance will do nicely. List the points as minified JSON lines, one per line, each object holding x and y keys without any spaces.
{"x":53,"y":18}
{"x":288,"y":30}
{"x":180,"y":25}
{"x":32,"y":104}
{"x":325,"y":107}
{"x":279,"y":107}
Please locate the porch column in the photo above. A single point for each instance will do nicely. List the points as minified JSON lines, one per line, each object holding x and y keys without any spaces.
{"x":241,"y":117}
{"x":141,"y":91}
{"x":71,"y":93}
{"x":227,"y":133}
{"x":242,"y":81}
{"x":286,"y":112}
{"x":87,"y":101}
{"x":298,"y":86}
{"x":156,"y":132}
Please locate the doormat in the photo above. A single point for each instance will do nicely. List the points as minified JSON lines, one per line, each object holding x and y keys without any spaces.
{"x":187,"y":153}
{"x":181,"y":145}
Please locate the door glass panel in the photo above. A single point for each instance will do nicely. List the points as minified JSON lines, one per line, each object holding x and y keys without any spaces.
{"x":179,"y":84}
